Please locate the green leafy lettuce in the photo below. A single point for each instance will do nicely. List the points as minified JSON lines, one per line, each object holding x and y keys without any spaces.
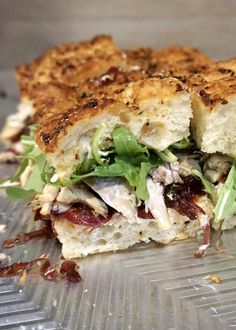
{"x":167,"y":156}
{"x":40,"y":174}
{"x":126,"y":144}
{"x":209,"y":187}
{"x":226,"y":204}
{"x":129,"y":160}
{"x":183,"y":144}
{"x":124,"y":158}
{"x":96,"y":152}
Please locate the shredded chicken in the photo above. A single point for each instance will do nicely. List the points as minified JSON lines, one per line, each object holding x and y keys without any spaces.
{"x":205,"y":224}
{"x":60,"y":207}
{"x":216,"y":167}
{"x":187,"y":163}
{"x":81,"y":194}
{"x":116,"y":193}
{"x":46,"y":198}
{"x":167,"y":174}
{"x":206,"y":204}
{"x":156,"y":204}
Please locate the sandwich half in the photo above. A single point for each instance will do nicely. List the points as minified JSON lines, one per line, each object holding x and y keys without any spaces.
{"x":103,"y":151}
{"x":110,"y":158}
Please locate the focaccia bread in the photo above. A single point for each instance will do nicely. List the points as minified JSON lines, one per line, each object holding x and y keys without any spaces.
{"x":157,"y":111}
{"x":214,"y":105}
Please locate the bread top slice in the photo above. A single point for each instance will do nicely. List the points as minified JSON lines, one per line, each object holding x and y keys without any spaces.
{"x":174,"y":61}
{"x":140,"y":58}
{"x":73,"y":63}
{"x":69,"y":64}
{"x":214,"y":115}
{"x":180,"y":62}
{"x":157,"y":111}
{"x":142,"y":62}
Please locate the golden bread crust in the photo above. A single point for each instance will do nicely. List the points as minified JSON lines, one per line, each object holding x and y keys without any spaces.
{"x":73,"y":63}
{"x":69,"y":64}
{"x":57,"y":113}
{"x":140,"y":58}
{"x":216,"y":91}
{"x":180,"y":62}
{"x":216,"y":84}
{"x":76,"y":82}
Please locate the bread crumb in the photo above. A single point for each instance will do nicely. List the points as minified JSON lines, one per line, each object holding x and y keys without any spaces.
{"x":3,"y":256}
{"x":22,"y":278}
{"x":2,"y":228}
{"x":214,"y":278}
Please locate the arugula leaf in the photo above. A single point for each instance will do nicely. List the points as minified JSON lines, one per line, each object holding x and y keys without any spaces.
{"x":141,"y":188}
{"x":20,"y":170}
{"x":125,"y":143}
{"x":17,"y":193}
{"x":103,"y":171}
{"x":87,"y":166}
{"x":134,"y":170}
{"x":95,"y":143}
{"x":209,"y":187}
{"x":48,"y":173}
{"x":130,"y":161}
{"x":36,"y":180}
{"x":226,"y":204}
{"x":33,"y":128}
{"x":183,"y":144}
{"x":29,"y":146}
{"x":167,"y":156}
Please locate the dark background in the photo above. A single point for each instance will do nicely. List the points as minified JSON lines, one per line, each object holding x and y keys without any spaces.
{"x":29,"y":27}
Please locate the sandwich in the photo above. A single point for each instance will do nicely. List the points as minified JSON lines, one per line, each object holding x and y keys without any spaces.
{"x":123,"y":150}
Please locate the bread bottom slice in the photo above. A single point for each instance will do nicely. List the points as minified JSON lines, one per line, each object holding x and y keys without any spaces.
{"x":118,"y":234}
